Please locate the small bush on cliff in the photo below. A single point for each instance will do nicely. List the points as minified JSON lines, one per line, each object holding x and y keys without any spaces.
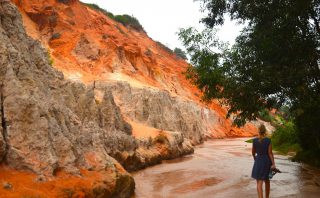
{"x":129,"y":21}
{"x":97,"y":8}
{"x":165,"y":47}
{"x":126,"y":20}
{"x":55,"y":36}
{"x":64,"y":1}
{"x":180,"y":53}
{"x":51,"y":61}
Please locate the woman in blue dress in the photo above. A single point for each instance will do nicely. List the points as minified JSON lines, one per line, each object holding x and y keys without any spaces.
{"x":263,"y":161}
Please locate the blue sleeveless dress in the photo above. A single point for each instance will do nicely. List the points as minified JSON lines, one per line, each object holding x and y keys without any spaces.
{"x":262,"y":164}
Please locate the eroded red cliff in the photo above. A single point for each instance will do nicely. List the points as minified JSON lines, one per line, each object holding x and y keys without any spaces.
{"x":122,"y":101}
{"x":88,"y":46}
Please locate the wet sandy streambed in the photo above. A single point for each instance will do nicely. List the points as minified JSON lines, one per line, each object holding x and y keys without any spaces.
{"x":222,"y":168}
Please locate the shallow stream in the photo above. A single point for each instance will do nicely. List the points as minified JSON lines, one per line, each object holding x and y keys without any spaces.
{"x":222,"y":169}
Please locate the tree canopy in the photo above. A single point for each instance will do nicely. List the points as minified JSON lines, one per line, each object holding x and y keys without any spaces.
{"x":274,"y":61}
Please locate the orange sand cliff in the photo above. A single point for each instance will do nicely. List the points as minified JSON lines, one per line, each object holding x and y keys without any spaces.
{"x":87,"y":46}
{"x":23,"y":184}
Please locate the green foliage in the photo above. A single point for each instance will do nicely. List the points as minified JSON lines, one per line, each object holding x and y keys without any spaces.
{"x":265,"y":115}
{"x":129,"y":21}
{"x":274,"y":119}
{"x":285,"y":138}
{"x":97,"y":8}
{"x":307,"y":120}
{"x":126,"y":20}
{"x":51,"y":61}
{"x":165,"y":47}
{"x":274,"y":61}
{"x":180,"y":53}
{"x":55,"y":36}
{"x":286,"y":113}
{"x":309,"y":156}
{"x":64,"y":1}
{"x":249,"y":141}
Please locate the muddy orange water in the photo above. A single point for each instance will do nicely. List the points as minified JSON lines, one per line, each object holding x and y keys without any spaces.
{"x":222,"y":168}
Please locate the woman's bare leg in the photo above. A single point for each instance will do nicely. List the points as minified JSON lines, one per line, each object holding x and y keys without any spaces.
{"x":259,"y":188}
{"x":267,"y":185}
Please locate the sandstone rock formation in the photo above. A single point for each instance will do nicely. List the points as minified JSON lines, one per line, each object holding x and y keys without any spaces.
{"x":158,"y":109}
{"x":100,"y":97}
{"x":50,"y":124}
{"x":87,"y":46}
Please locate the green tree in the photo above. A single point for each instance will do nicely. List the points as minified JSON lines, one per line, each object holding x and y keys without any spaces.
{"x":180,"y":53}
{"x":274,"y":61}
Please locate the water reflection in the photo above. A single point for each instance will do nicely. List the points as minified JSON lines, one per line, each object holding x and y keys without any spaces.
{"x":222,"y":168}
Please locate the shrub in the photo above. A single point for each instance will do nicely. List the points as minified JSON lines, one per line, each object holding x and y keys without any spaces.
{"x":265,"y":115}
{"x":249,"y":141}
{"x":55,"y":36}
{"x":97,"y":8}
{"x":180,"y":53}
{"x":51,"y":61}
{"x":110,"y":15}
{"x":285,"y":112}
{"x":285,"y":138}
{"x":308,"y":156}
{"x":64,"y":1}
{"x":94,"y":6}
{"x":165,"y":47}
{"x":126,"y":20}
{"x":129,"y":21}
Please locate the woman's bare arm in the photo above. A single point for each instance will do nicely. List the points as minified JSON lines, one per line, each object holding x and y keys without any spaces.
{"x":271,"y":156}
{"x":253,"y":151}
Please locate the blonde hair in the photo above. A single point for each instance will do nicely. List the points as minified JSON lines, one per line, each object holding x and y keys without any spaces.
{"x":262,"y":132}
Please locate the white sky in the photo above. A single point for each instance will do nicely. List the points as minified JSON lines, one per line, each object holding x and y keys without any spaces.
{"x":162,"y":19}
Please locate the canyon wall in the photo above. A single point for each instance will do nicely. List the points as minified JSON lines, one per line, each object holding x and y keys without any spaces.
{"x":88,"y":47}
{"x":85,"y":99}
{"x":50,"y":124}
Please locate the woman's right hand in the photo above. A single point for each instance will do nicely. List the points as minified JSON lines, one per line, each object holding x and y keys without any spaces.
{"x":273,"y":167}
